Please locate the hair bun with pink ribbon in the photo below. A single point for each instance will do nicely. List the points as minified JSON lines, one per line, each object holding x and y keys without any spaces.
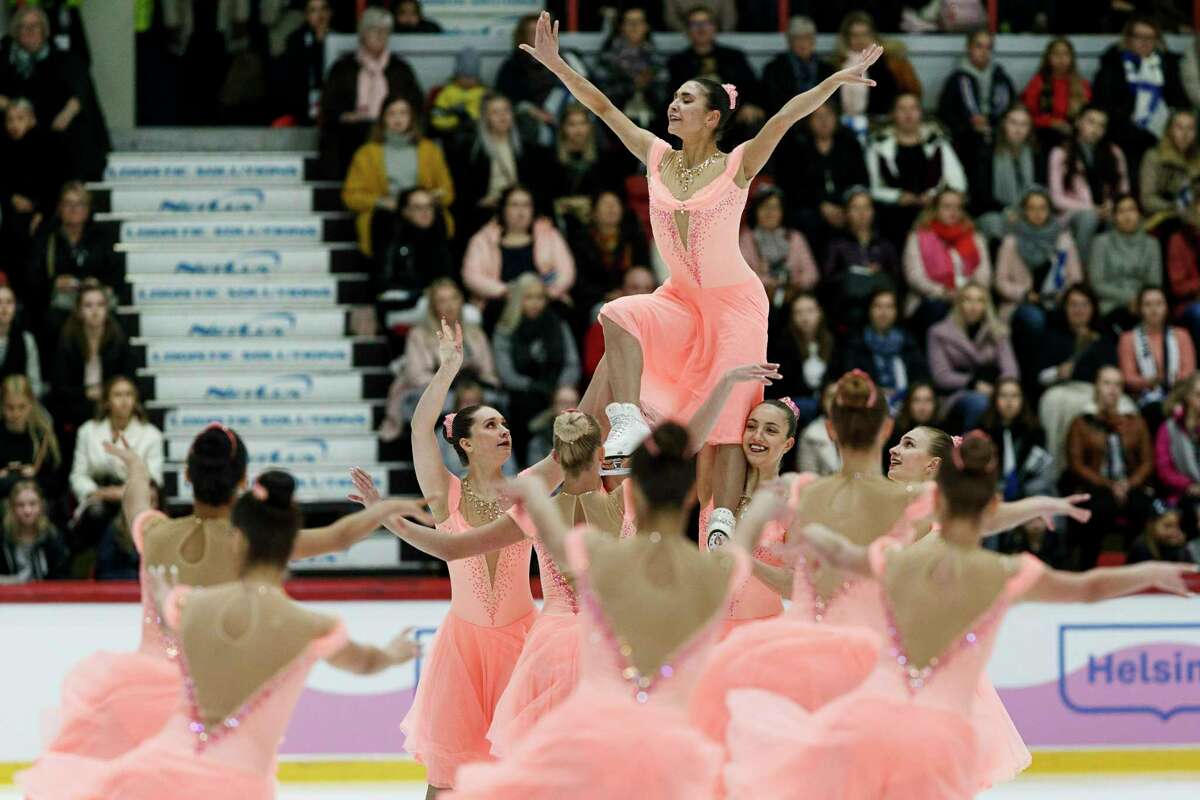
{"x":731,"y":90}
{"x":448,"y":425}
{"x":791,"y":404}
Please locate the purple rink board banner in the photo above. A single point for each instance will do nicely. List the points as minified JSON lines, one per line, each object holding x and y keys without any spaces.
{"x":341,"y":419}
{"x":290,"y":230}
{"x":295,"y":451}
{"x":189,"y":168}
{"x":314,"y":483}
{"x":283,"y":387}
{"x":212,"y":200}
{"x":179,"y":323}
{"x":169,"y":290}
{"x":218,"y":261}
{"x":208,"y":353}
{"x":1119,"y":675}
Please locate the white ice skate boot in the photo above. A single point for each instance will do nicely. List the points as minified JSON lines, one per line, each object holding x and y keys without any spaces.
{"x":720,"y":528}
{"x":629,"y":428}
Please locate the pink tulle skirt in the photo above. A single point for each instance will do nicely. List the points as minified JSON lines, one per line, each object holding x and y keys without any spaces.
{"x":112,"y":702}
{"x":1002,"y":752}
{"x":150,"y":772}
{"x":807,"y":662}
{"x":545,"y":675}
{"x":731,"y":625}
{"x":461,"y":682}
{"x":600,"y":745}
{"x":863,"y":746}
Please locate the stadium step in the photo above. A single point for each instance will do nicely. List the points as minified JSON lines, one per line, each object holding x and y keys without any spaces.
{"x":229,"y":353}
{"x":312,"y":451}
{"x":250,"y":324}
{"x":250,"y":387}
{"x":269,"y":419}
{"x":149,"y":291}
{"x":187,"y":198}
{"x":231,"y":229}
{"x":221,"y":259}
{"x":223,"y":168}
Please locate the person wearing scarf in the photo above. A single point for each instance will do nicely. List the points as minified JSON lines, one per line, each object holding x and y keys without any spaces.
{"x":1168,"y":171}
{"x":1154,"y":356}
{"x":1122,"y":261}
{"x":1036,"y":263}
{"x":975,"y":96}
{"x":1177,"y":445}
{"x":941,"y":256}
{"x":1109,"y":456}
{"x":885,"y":351}
{"x":631,"y":71}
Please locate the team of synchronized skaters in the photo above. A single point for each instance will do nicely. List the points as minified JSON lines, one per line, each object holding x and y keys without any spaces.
{"x":654,"y":668}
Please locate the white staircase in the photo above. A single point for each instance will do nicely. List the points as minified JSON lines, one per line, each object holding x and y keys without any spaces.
{"x":240,"y":283}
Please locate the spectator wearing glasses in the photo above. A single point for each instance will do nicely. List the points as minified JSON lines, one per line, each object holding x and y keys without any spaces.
{"x":705,"y":58}
{"x":677,"y":15}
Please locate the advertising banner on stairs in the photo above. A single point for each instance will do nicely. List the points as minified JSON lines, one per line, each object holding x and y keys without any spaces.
{"x":218,"y":353}
{"x":241,"y":324}
{"x":285,"y":387}
{"x":290,"y":229}
{"x":271,"y":419}
{"x":215,"y":200}
{"x":316,"y":450}
{"x":159,"y":290}
{"x":231,"y":261}
{"x":159,"y":168}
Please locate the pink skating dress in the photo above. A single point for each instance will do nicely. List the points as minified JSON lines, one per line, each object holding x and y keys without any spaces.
{"x":111,"y":702}
{"x":711,"y":313}
{"x":548,"y":669}
{"x":905,"y":734}
{"x":187,"y":759}
{"x":621,"y":734}
{"x":472,"y":657}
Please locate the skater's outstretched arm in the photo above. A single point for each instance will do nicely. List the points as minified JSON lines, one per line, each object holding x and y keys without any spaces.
{"x":432,"y":475}
{"x":545,"y":50}
{"x":702,"y":422}
{"x":353,"y":528}
{"x":137,"y":496}
{"x":759,"y":149}
{"x":1055,"y":586}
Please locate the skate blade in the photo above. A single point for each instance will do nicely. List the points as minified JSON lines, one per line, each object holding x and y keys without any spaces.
{"x":615,"y":465}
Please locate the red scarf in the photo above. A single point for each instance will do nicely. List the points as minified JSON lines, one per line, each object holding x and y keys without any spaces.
{"x":937,"y":240}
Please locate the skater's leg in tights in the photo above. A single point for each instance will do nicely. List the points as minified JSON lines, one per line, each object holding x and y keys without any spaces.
{"x":623,"y":353}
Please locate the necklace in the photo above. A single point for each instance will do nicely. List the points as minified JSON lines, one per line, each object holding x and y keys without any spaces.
{"x":484,"y":509}
{"x":688,"y":174}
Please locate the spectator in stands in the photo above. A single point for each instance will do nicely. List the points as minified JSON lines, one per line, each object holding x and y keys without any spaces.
{"x":410,"y":245}
{"x":705,"y":58}
{"x":1109,"y":457}
{"x":816,"y":452}
{"x":117,"y":558}
{"x":1037,"y":262}
{"x":1154,"y":356}
{"x":581,"y":168}
{"x":802,"y":345}
{"x":541,"y":428}
{"x":884,"y":350}
{"x":32,"y":548}
{"x":529,"y":86}
{"x":29,"y":178}
{"x":1123,"y":260}
{"x":677,"y":15}
{"x":797,"y":69}
{"x":637,"y":280}
{"x":302,"y":65}
{"x":920,"y":407}
{"x":28,"y":447}
{"x":410,"y":19}
{"x":1163,"y":539}
{"x":398,"y":157}
{"x":857,"y":33}
{"x":456,"y":105}
{"x":1168,"y":170}
{"x":18,"y":349}
{"x":61,"y":90}
{"x":92,"y":349}
{"x":909,"y":162}
{"x":1086,"y":175}
{"x":69,"y":248}
{"x":943,"y":254}
{"x":1183,"y":266}
{"x":1138,"y":84}
{"x":969,"y":352}
{"x":859,"y":263}
{"x":975,"y":96}
{"x":356,"y":87}
{"x":605,"y":249}
{"x":1176,"y":447}
{"x":535,"y":354}
{"x":489,"y":162}
{"x":1003,"y":174}
{"x":815,"y":169}
{"x":631,"y":71}
{"x":1056,"y":93}
{"x":1026,"y":468}
{"x":444,"y":300}
{"x":780,"y":255}
{"x":514,"y":243}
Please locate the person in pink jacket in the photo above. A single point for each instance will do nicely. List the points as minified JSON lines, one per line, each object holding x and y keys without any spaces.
{"x":1086,"y":175}
{"x":1154,"y":356}
{"x":780,"y":255}
{"x":515,"y":242}
{"x":1176,"y":444}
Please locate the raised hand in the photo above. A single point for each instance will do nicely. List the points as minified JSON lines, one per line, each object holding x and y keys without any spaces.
{"x":763,"y":373}
{"x":450,"y":344}
{"x":545,"y":41}
{"x":366,"y":493}
{"x":856,"y":72}
{"x":403,"y":648}
{"x":1170,"y":578}
{"x":1067,"y":507}
{"x":120,"y":451}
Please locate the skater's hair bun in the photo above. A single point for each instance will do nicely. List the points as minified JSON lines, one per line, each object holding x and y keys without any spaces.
{"x":664,"y":466}
{"x":859,"y":409}
{"x":216,"y":464}
{"x":576,"y":440}
{"x":967,"y":479}
{"x":269,"y":519}
{"x":457,"y":426}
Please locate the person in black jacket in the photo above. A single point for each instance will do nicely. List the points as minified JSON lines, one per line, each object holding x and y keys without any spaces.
{"x":31,"y":548}
{"x":1163,"y":538}
{"x":410,"y":249}
{"x":607,"y":247}
{"x":91,"y":350}
{"x":28,"y":447}
{"x":704,"y":58}
{"x":1138,"y":110}
{"x":859,"y":263}
{"x":527,"y":84}
{"x":30,"y":157}
{"x":795,"y":70}
{"x":411,"y":19}
{"x":301,"y":70}
{"x":884,"y":350}
{"x":975,"y":96}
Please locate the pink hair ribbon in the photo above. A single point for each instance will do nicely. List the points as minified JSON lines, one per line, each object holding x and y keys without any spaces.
{"x":858,"y":373}
{"x":958,"y":443}
{"x":448,"y":424}
{"x":731,"y":90}
{"x":791,"y":404}
{"x":259,"y":491}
